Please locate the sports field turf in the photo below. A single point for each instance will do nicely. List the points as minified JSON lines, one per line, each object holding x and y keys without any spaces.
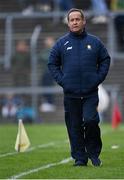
{"x":49,"y":158}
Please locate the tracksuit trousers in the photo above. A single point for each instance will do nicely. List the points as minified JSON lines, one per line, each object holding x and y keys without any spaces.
{"x":82,"y":119}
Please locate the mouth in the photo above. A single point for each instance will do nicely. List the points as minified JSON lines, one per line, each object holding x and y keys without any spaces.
{"x":75,"y":27}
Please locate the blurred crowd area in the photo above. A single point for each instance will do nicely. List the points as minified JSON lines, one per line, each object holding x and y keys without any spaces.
{"x":28,"y":30}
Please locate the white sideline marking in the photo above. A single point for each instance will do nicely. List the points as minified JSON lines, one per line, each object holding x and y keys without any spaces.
{"x":40,"y":146}
{"x":30,"y":149}
{"x":114,"y":146}
{"x":33,"y":148}
{"x":64,"y":161}
{"x":8,"y":154}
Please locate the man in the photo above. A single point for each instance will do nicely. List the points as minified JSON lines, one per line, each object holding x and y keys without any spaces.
{"x":21,"y":64}
{"x":46,"y":79}
{"x":79,"y":62}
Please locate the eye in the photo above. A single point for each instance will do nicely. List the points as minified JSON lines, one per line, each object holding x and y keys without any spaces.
{"x":72,"y":20}
{"x":78,"y":19}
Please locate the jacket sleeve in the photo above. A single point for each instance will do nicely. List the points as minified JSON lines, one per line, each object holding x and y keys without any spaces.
{"x":54,"y":64}
{"x":103,"y":63}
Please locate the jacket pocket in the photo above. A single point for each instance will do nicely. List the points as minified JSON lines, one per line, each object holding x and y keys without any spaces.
{"x":90,"y":80}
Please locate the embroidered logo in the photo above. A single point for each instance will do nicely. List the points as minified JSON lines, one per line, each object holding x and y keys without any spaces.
{"x":89,"y":47}
{"x":66,"y":43}
{"x":68,"y":48}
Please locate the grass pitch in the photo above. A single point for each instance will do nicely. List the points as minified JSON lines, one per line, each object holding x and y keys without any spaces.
{"x":48,"y":156}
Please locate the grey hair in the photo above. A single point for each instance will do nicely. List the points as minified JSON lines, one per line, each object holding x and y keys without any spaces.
{"x":73,"y":10}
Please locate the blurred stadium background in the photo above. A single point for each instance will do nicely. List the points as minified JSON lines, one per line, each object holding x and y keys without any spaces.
{"x":26,"y":97}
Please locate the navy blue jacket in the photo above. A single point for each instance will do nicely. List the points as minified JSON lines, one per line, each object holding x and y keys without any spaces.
{"x":79,"y":63}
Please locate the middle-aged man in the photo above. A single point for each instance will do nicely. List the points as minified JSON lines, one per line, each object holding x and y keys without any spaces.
{"x":79,"y":62}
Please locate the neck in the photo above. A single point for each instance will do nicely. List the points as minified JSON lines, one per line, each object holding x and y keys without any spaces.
{"x":78,"y":34}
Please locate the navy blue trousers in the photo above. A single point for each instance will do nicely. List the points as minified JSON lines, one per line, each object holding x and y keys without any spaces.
{"x":82,"y":119}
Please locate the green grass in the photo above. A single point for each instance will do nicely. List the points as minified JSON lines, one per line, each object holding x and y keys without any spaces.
{"x":57,"y":150}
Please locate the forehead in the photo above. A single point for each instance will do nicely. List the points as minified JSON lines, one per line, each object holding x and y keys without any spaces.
{"x":75,"y":14}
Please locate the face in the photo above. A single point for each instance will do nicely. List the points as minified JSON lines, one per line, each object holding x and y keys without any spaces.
{"x":76,"y":23}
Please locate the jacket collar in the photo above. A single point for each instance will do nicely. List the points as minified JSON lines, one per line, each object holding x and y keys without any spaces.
{"x":75,"y":35}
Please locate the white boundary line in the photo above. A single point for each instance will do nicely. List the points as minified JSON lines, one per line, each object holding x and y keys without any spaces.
{"x":33,"y":148}
{"x":30,"y":149}
{"x":64,"y":161}
{"x":39,"y":146}
{"x":8,"y":154}
{"x":44,"y":166}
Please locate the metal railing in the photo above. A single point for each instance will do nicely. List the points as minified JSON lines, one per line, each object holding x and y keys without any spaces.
{"x":9,"y":17}
{"x":112,"y":37}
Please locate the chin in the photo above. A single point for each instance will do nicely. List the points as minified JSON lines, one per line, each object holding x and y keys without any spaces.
{"x":77,"y":32}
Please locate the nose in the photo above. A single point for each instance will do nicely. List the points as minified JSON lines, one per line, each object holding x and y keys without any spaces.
{"x":75,"y":22}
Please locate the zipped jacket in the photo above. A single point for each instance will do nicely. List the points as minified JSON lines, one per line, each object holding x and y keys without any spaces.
{"x":79,"y":63}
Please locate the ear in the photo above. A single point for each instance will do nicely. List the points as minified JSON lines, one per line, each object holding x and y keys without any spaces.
{"x":68,"y":24}
{"x":84,"y":22}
